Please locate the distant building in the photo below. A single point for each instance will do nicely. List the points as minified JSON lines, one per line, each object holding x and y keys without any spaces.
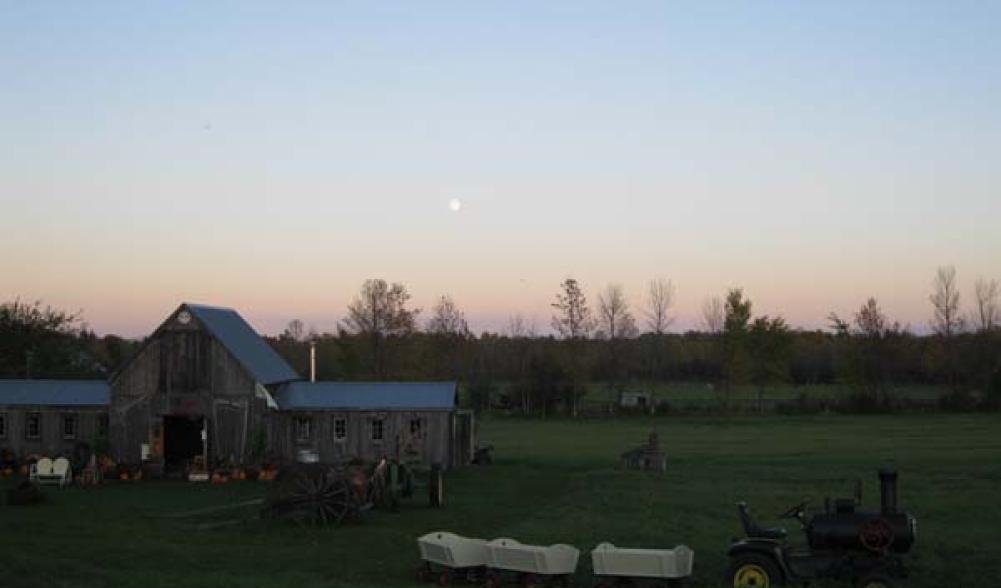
{"x":204,"y":381}
{"x":635,"y":399}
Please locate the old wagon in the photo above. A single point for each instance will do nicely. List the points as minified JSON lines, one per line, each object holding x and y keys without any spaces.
{"x":531,"y":563}
{"x":614,"y":564}
{"x":445,"y":556}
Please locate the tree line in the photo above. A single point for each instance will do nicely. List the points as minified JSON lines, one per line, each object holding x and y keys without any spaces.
{"x":612,"y":345}
{"x":867,"y":354}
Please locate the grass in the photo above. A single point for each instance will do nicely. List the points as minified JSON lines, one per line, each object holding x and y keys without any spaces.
{"x":552,"y":482}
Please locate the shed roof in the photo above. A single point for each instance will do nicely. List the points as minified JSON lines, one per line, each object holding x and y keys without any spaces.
{"x":253,"y":352}
{"x":367,"y":396}
{"x":54,"y":393}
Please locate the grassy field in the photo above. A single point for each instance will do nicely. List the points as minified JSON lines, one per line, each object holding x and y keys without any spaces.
{"x":702,"y":397}
{"x":551,"y":482}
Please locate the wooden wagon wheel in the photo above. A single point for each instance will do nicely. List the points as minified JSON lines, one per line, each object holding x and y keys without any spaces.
{"x":311,"y":497}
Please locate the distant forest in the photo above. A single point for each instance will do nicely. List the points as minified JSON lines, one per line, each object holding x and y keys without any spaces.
{"x":609,"y":344}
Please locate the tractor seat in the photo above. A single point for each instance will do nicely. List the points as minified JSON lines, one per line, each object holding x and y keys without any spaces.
{"x":755,"y":531}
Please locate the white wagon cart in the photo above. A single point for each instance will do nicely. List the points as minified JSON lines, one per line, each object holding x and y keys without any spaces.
{"x":533,"y":564}
{"x":446,"y":555}
{"x":614,"y":564}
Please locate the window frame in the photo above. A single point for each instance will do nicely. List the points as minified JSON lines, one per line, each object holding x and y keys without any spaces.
{"x":299,"y":428}
{"x":340,"y":426}
{"x":3,"y":425}
{"x":70,"y":417}
{"x":28,"y":417}
{"x":381,"y":428}
{"x":417,"y":430}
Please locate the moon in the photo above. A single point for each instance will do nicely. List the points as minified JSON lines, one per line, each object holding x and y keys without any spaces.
{"x":455,"y":205}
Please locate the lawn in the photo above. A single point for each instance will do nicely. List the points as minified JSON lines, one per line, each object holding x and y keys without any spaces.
{"x":552,"y":482}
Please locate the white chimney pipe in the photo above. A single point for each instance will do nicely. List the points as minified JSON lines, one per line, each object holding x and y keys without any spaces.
{"x":312,"y":361}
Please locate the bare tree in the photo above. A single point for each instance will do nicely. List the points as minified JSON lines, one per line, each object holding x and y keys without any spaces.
{"x":872,"y":322}
{"x":947,"y":320}
{"x":295,"y":331}
{"x":520,"y":327}
{"x":378,"y":312}
{"x":447,"y":319}
{"x":613,"y":309}
{"x":987,"y":313}
{"x":573,"y":321}
{"x":573,"y":317}
{"x":713,"y":314}
{"x":659,"y":303}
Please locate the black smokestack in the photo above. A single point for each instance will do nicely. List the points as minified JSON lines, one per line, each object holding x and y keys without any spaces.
{"x":888,"y":491}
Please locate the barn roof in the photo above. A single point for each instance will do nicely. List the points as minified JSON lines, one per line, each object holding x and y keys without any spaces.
{"x":367,"y":395}
{"x":253,"y":352}
{"x":54,"y":393}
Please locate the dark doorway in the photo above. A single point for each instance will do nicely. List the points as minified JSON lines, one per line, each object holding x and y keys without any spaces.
{"x":182,"y":440}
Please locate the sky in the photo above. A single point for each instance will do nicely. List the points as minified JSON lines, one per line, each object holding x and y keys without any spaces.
{"x":273,"y":156}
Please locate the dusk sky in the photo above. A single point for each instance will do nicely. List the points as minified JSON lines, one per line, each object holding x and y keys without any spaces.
{"x":273,"y":157}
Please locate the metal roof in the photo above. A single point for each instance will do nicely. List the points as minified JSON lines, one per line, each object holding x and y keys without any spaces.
{"x":253,"y":352}
{"x":54,"y":393}
{"x":367,"y":395}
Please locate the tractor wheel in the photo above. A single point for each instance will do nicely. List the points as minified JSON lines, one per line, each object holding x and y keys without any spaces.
{"x":750,"y":570}
{"x":874,"y":580}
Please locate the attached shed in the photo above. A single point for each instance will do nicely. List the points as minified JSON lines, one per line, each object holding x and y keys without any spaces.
{"x":49,"y":417}
{"x":340,"y":421}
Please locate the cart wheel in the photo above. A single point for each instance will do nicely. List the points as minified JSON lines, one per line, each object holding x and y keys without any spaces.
{"x":874,"y":580}
{"x":424,"y":572}
{"x":491,"y":579}
{"x":476,"y":575}
{"x":753,"y":571}
{"x":529,"y":580}
{"x":445,"y":578}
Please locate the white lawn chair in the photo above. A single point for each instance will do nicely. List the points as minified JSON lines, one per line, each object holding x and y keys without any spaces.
{"x":40,"y":468}
{"x":59,"y":471}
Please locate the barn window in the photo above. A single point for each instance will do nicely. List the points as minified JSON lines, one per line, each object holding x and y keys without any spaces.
{"x":415,"y":426}
{"x":340,"y":429}
{"x":377,"y":430}
{"x":303,"y":429}
{"x":69,"y":426}
{"x":33,"y":425}
{"x":3,"y":425}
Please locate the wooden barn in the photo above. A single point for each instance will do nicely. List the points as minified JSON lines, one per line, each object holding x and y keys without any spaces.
{"x":203,"y":373}
{"x":206,"y":384}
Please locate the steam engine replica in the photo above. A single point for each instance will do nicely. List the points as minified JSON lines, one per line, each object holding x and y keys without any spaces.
{"x":842,"y":543}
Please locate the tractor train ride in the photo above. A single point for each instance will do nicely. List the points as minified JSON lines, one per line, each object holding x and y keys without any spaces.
{"x":843,"y":543}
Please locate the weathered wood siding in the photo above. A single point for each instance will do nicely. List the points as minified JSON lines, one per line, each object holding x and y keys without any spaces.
{"x":51,"y":441}
{"x":184,"y":370}
{"x":432,"y":445}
